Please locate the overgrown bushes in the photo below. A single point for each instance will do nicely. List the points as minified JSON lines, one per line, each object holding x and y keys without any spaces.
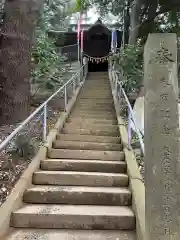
{"x":129,"y":63}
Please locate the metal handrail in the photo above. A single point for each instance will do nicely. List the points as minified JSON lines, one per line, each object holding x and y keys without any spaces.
{"x":71,"y":45}
{"x":131,"y":116}
{"x":44,"y":107}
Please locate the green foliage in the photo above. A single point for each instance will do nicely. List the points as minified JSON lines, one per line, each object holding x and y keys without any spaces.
{"x":129,"y":62}
{"x":46,"y":60}
{"x":82,"y":6}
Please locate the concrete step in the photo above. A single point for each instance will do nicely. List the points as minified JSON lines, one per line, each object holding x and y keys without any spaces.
{"x":94,"y":116}
{"x":94,"y":112}
{"x":89,"y":88}
{"x":88,"y":138}
{"x":74,"y":217}
{"x":97,"y":126}
{"x":96,"y":102}
{"x":91,"y":102}
{"x":89,"y":131}
{"x":95,"y":108}
{"x":96,"y":88}
{"x":86,"y":154}
{"x":57,"y":234}
{"x":87,"y":145}
{"x":84,"y":165}
{"x":71,"y":178}
{"x":91,"y":121}
{"x":96,"y":94}
{"x":96,"y":98}
{"x":99,"y":93}
{"x":78,"y":195}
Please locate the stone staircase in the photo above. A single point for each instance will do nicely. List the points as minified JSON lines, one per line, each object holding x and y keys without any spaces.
{"x":81,"y":190}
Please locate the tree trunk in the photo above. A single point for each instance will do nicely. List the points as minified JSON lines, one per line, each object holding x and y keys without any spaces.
{"x":149,"y":24}
{"x":15,"y":58}
{"x":126,"y":23}
{"x":135,"y":22}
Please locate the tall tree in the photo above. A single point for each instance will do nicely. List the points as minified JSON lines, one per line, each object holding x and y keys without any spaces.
{"x":135,"y":21}
{"x":20,"y":17}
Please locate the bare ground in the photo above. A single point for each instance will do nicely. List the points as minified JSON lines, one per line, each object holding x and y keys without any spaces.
{"x":12,"y":162}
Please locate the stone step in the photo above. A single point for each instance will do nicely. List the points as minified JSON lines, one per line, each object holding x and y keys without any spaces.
{"x":91,"y":121}
{"x":88,"y":138}
{"x":101,"y":112}
{"x":89,"y":89}
{"x":98,"y":80}
{"x":100,"y":85}
{"x":87,"y":145}
{"x":94,"y":116}
{"x":84,"y":165}
{"x":77,"y":195}
{"x":95,"y":108}
{"x":86,"y":154}
{"x":74,"y":217}
{"x":97,"y":102}
{"x":89,"y":131}
{"x":58,"y":234}
{"x":96,"y":98}
{"x":89,"y":126}
{"x":71,"y":178}
{"x":95,"y":81}
{"x":98,"y":94}
{"x":96,"y":88}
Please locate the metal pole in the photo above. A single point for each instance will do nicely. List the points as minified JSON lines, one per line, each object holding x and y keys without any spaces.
{"x":65,"y":98}
{"x":129,"y":128}
{"x":45,"y":123}
{"x":123,"y":28}
{"x":74,"y":86}
{"x":78,"y":51}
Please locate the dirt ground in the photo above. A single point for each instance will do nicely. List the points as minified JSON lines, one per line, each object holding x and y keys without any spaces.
{"x":12,"y":162}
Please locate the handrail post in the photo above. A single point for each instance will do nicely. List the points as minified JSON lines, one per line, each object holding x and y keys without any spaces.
{"x":74,"y":86}
{"x":65,"y":98}
{"x":79,"y":77}
{"x":116,"y":85}
{"x":45,"y":122}
{"x":129,"y":128}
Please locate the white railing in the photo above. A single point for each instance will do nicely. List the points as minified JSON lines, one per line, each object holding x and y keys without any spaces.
{"x":76,"y":80}
{"x":118,"y":93}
